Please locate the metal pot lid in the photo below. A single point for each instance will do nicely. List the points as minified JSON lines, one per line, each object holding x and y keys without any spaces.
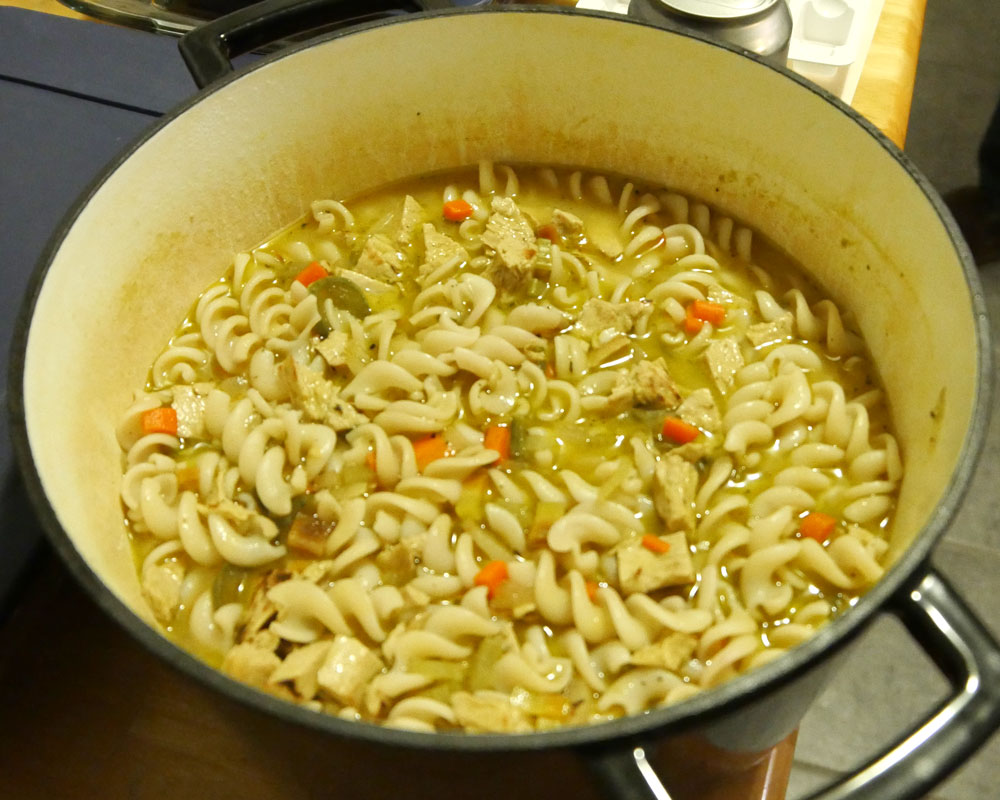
{"x":718,"y":9}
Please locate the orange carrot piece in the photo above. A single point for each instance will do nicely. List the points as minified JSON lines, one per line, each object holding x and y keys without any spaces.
{"x":371,"y":460}
{"x":429,"y":449}
{"x":497,"y":437}
{"x":655,"y":543}
{"x":160,"y":420}
{"x":691,"y":323}
{"x":591,"y":587}
{"x":702,"y":311}
{"x":311,"y":274}
{"x":677,"y":430}
{"x":492,"y":575}
{"x":550,"y":370}
{"x":818,"y":526}
{"x":457,"y":210}
{"x":548,"y":232}
{"x":709,"y":312}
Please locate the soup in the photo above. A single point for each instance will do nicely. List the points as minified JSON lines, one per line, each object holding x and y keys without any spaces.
{"x":504,"y":450}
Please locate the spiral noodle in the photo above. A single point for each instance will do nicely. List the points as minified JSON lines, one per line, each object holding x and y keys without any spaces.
{"x":506,"y":449}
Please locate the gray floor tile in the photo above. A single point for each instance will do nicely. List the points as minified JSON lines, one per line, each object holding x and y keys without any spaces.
{"x":808,"y":778}
{"x":957,"y":86}
{"x":975,"y":573}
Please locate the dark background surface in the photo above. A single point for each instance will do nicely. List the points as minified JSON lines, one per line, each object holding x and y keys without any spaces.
{"x":61,"y":119}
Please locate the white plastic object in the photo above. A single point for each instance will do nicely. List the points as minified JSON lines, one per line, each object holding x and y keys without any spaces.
{"x":614,"y":6}
{"x":830,"y":39}
{"x":827,"y":21}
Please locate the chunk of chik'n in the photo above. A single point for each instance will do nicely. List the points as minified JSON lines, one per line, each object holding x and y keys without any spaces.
{"x":671,"y":652}
{"x":724,"y":359}
{"x":379,"y":259}
{"x":161,"y":587}
{"x":318,"y":397}
{"x":334,"y":348}
{"x":254,"y":660}
{"x":675,"y":483}
{"x":190,"y":407}
{"x":601,"y":320}
{"x":646,"y":384}
{"x":348,"y":668}
{"x":512,"y":237}
{"x":652,"y":385}
{"x":777,"y":330}
{"x":699,"y":409}
{"x":641,"y":569}
{"x":410,"y":219}
{"x":566,"y":224}
{"x":488,"y":712}
{"x":438,"y":251}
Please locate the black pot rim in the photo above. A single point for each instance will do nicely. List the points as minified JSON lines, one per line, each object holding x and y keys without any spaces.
{"x":696,"y":711}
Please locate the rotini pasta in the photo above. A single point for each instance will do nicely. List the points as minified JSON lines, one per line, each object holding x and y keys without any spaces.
{"x":506,"y":449}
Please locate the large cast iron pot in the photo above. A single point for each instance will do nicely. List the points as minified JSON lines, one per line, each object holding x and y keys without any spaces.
{"x":409,"y":95}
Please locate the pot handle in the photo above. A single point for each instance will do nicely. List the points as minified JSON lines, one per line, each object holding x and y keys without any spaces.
{"x":969,"y":657}
{"x":965,"y":652}
{"x":208,"y":49}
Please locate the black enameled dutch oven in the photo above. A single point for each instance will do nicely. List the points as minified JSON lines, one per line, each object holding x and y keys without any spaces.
{"x":436,"y":90}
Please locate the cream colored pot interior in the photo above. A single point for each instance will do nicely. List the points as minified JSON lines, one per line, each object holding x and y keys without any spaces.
{"x":433,"y":93}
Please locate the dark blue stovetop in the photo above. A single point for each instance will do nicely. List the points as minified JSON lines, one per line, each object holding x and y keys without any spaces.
{"x":73,"y":94}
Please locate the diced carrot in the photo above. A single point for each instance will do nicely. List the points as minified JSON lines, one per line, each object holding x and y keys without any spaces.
{"x":655,"y":543}
{"x":817,"y":525}
{"x":160,"y":420}
{"x":591,"y":587}
{"x":677,"y":430}
{"x":702,"y":311}
{"x":371,"y":461}
{"x":497,"y":437}
{"x":548,"y":232}
{"x":708,"y":311}
{"x":429,"y":449}
{"x":691,"y":323}
{"x":492,"y":575}
{"x":311,"y":274}
{"x":457,"y":210}
{"x":550,"y":370}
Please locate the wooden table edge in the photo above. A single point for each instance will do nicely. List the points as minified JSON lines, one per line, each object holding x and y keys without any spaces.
{"x":885,"y":89}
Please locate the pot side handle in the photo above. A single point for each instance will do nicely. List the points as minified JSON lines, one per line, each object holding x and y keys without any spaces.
{"x":965,"y":652}
{"x":969,"y":657}
{"x":208,"y":49}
